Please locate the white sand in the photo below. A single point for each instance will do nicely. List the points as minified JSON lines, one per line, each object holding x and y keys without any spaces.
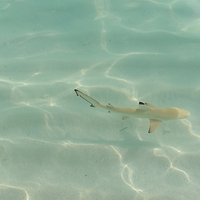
{"x":53,"y":145}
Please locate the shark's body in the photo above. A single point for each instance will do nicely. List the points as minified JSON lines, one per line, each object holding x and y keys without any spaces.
{"x":145,"y":110}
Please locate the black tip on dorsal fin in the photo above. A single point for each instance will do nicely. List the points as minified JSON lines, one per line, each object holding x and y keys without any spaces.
{"x":142,"y":103}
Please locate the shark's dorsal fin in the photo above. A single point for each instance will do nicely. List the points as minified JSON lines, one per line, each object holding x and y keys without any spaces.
{"x":110,"y":105}
{"x":143,"y":106}
{"x":153,"y":125}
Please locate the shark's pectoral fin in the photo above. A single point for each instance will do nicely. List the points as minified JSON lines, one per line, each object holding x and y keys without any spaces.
{"x":153,"y":125}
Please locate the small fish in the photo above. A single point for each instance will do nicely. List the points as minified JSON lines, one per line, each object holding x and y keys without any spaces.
{"x":144,"y":110}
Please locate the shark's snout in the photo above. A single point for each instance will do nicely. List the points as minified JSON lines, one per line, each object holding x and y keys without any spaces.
{"x":184,"y":113}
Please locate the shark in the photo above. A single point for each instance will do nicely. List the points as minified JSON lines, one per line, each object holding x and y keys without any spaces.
{"x":144,"y":110}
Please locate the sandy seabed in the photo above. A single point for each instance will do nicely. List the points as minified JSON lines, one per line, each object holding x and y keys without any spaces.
{"x":53,"y":145}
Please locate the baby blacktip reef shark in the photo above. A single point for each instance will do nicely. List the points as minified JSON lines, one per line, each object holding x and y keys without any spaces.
{"x":145,"y":110}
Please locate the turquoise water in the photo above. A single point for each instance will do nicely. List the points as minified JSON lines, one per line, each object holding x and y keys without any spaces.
{"x":53,"y":145}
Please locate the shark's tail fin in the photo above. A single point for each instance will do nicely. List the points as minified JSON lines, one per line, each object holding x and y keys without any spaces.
{"x":93,"y":102}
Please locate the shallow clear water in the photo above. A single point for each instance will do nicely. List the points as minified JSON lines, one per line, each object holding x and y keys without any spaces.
{"x":53,"y":145}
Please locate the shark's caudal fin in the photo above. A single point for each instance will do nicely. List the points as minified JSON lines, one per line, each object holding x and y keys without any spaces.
{"x":93,"y":102}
